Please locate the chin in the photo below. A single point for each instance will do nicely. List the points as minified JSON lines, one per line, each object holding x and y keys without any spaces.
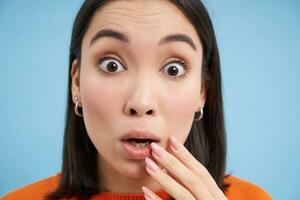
{"x":135,"y":170}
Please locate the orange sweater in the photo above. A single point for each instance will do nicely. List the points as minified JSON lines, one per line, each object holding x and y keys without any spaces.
{"x":239,"y":190}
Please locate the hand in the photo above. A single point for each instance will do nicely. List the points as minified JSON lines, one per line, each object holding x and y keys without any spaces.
{"x":187,"y":179}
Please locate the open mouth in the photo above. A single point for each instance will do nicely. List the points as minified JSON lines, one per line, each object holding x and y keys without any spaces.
{"x":136,"y":143}
{"x":137,"y":149}
{"x":140,"y":143}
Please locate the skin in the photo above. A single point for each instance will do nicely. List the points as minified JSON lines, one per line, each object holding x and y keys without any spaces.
{"x":142,"y":83}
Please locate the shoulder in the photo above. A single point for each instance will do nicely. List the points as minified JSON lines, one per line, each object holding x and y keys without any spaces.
{"x":35,"y":190}
{"x":242,"y":189}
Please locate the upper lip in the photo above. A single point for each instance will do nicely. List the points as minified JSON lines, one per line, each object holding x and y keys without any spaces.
{"x":140,"y":134}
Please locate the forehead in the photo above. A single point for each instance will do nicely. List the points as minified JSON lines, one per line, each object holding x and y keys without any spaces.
{"x":142,"y":19}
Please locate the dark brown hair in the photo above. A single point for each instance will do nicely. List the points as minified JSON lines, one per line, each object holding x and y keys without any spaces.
{"x":206,"y":140}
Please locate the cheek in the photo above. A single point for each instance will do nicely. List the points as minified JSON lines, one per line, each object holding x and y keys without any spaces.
{"x":99,"y":102}
{"x":182,"y":107}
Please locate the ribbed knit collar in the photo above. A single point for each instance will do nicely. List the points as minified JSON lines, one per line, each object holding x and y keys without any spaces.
{"x":128,"y":196}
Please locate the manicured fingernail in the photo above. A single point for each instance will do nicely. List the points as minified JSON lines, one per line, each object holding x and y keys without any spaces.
{"x":175,"y":143}
{"x":151,"y":164}
{"x":148,"y":193}
{"x":157,"y":150}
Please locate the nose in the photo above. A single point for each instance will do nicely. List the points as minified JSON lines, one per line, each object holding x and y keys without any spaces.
{"x":141,"y":101}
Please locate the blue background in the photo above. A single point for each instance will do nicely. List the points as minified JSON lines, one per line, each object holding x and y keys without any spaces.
{"x":259,"y":43}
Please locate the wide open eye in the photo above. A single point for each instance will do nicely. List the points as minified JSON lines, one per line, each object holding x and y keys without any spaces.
{"x":174,"y":68}
{"x":110,"y":65}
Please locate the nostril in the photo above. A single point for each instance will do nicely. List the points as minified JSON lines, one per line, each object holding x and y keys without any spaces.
{"x":132,"y":111}
{"x":149,"y":112}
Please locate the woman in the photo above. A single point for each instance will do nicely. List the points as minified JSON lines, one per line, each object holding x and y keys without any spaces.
{"x":144,"y":114}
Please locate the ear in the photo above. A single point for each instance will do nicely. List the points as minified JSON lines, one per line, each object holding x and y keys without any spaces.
{"x":75,"y":80}
{"x":202,"y":96}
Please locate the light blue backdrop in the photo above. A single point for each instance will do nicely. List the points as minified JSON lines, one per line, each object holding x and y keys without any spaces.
{"x":259,"y":44}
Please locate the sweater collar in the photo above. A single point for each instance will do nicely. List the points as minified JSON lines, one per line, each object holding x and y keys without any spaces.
{"x":128,"y":196}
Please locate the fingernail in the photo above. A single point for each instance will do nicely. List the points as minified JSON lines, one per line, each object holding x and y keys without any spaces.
{"x":175,"y":143}
{"x":148,"y":193}
{"x":151,"y":164}
{"x":157,"y":150}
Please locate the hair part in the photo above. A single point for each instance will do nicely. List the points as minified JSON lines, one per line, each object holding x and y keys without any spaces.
{"x":206,"y":140}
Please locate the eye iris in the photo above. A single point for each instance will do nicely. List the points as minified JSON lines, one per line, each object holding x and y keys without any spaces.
{"x":112,"y":66}
{"x":173,"y":71}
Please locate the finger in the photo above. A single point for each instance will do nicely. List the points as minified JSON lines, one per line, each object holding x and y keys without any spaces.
{"x":181,"y":173}
{"x":173,"y":188}
{"x":149,"y":194}
{"x":194,"y":165}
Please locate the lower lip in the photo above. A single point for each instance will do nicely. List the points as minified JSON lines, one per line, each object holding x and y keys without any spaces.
{"x":136,"y":153}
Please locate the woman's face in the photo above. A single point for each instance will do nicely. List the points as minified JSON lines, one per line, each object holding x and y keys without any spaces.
{"x":138,"y":73}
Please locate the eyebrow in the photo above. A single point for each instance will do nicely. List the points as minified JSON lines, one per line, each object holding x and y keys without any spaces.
{"x":176,"y":37}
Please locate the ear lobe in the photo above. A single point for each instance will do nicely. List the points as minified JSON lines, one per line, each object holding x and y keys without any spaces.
{"x":202,"y":96}
{"x":75,"y":78}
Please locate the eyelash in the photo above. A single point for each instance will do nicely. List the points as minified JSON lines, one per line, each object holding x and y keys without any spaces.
{"x":182,"y":62}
